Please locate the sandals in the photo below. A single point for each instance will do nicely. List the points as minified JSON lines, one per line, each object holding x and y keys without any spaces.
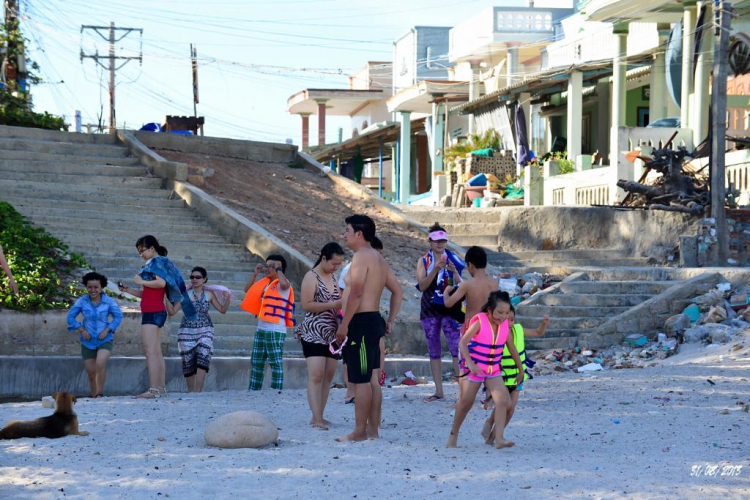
{"x":151,"y":393}
{"x":349,"y":401}
{"x":434,"y":397}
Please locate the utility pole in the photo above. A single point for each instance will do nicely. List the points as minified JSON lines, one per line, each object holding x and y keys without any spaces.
{"x":110,"y":37}
{"x":194,"y":65}
{"x":719,"y":130}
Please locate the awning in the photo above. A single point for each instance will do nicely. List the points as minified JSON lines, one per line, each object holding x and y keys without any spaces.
{"x":546,"y":82}
{"x":419,"y":98}
{"x":367,"y":142}
{"x":342,"y":102}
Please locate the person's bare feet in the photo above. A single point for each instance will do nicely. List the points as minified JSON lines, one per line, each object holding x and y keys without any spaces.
{"x":452,"y":441}
{"x":372,"y":433}
{"x":352,"y":437}
{"x":502,"y":443}
{"x":487,"y":432}
{"x":319,"y":425}
{"x":326,"y":422}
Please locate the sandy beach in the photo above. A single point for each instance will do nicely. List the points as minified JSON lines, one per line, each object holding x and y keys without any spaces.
{"x":636,"y":433}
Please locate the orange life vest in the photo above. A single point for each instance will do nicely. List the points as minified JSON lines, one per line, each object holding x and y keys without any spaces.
{"x":265,"y":301}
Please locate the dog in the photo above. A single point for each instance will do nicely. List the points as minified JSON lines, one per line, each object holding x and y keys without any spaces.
{"x":63,"y":422}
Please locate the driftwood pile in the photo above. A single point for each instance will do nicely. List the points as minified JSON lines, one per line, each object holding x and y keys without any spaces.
{"x":675,"y":191}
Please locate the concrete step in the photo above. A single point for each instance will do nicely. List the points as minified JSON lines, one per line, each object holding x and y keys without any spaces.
{"x":87,"y":179}
{"x":569,"y":311}
{"x":62,"y":148}
{"x":186,"y":244}
{"x":93,"y":224}
{"x":236,"y":317}
{"x":237,"y":278}
{"x":129,"y":232}
{"x":617,"y":287}
{"x":572,"y":323}
{"x":135,"y":263}
{"x":242,"y":345}
{"x":215,"y":276}
{"x":592,"y":300}
{"x":470,"y":228}
{"x":489,"y":241}
{"x":183,"y":217}
{"x":56,"y":167}
{"x":45,"y":197}
{"x":122,"y":160}
{"x":454,"y":215}
{"x":203,"y":253}
{"x":553,"y":332}
{"x":546,"y":343}
{"x":23,"y":187}
{"x":543,"y":261}
{"x":177,"y":207}
{"x":56,"y":135}
{"x":596,"y":253}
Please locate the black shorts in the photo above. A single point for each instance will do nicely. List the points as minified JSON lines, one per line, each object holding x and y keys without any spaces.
{"x":362,"y":351}
{"x":311,"y":350}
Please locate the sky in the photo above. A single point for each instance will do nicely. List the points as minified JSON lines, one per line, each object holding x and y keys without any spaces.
{"x":252,"y":56}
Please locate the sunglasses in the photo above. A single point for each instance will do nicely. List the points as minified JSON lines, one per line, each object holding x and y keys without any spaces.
{"x":196,"y":277}
{"x":337,"y":350}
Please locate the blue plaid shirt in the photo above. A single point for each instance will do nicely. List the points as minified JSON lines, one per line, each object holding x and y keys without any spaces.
{"x":95,"y":319}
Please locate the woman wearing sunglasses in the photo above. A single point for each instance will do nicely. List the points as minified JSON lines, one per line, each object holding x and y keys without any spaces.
{"x":195,"y":338}
{"x":322,"y":301}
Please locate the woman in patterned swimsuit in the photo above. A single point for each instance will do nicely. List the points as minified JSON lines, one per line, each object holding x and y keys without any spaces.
{"x":321,"y":300}
{"x":196,"y":338}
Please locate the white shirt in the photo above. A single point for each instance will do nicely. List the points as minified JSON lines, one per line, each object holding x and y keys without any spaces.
{"x":343,"y":274}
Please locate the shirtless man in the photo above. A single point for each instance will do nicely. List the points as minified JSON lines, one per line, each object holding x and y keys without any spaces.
{"x":477,"y":290}
{"x":362,"y":325}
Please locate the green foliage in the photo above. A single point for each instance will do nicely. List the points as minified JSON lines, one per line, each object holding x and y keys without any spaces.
{"x":489,"y":139}
{"x":40,"y":264}
{"x":566,"y":166}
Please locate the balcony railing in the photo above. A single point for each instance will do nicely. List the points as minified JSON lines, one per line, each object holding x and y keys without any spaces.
{"x":524,"y":21}
{"x":597,"y":42}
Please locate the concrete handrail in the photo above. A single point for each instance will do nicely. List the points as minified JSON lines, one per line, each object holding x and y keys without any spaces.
{"x":159,"y":166}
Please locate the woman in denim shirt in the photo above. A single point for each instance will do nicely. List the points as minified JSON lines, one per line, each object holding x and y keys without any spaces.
{"x":96,"y":330}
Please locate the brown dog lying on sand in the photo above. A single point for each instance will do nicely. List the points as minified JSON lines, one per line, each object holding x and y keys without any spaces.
{"x":60,"y":424}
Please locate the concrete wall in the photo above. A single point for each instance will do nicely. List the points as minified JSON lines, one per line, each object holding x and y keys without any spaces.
{"x":230,"y":148}
{"x":46,"y":334}
{"x":26,"y":377}
{"x":525,"y":228}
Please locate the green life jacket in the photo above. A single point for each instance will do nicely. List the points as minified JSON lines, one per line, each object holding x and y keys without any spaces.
{"x":510,"y":372}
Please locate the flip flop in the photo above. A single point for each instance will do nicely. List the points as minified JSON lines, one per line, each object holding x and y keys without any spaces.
{"x":434,"y":397}
{"x":349,"y":401}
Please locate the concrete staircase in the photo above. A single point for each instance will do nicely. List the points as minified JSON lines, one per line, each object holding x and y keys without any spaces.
{"x":87,"y":191}
{"x":580,"y":306}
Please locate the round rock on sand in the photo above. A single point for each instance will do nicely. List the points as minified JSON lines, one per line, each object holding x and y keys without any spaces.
{"x":241,"y":429}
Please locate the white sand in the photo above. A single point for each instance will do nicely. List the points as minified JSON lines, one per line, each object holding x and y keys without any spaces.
{"x":568,"y":443}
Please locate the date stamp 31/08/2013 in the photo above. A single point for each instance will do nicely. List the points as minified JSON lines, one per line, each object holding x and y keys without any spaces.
{"x":715,"y":470}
